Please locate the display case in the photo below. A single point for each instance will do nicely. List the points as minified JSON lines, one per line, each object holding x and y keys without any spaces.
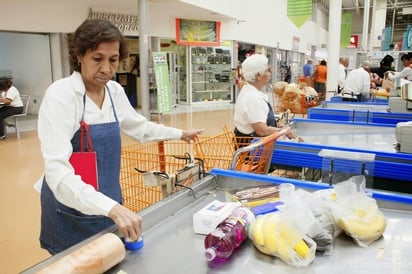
{"x":210,"y":74}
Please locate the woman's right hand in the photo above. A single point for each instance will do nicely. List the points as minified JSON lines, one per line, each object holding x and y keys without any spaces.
{"x":127,"y":221}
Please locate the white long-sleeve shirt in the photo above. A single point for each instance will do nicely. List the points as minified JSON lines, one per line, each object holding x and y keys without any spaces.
{"x":405,"y":73}
{"x":358,"y":82}
{"x":59,"y":117}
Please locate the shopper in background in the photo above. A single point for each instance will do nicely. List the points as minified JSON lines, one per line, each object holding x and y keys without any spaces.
{"x":10,"y":103}
{"x":385,"y":65}
{"x":320,"y":73}
{"x":307,"y":72}
{"x":406,"y":73}
{"x":72,"y":210}
{"x":358,"y":83}
{"x":254,"y":116}
{"x":376,"y":81}
{"x":342,"y":72}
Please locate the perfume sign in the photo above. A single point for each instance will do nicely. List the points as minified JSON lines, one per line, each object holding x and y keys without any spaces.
{"x":124,"y":22}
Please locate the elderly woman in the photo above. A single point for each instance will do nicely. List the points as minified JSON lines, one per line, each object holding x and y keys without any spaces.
{"x":254,"y":115}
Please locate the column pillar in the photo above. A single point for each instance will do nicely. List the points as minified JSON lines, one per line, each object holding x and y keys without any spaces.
{"x":335,"y":14}
{"x":378,"y":23}
{"x":144,"y":56}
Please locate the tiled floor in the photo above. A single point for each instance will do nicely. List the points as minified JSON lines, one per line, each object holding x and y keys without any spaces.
{"x":21,"y":165}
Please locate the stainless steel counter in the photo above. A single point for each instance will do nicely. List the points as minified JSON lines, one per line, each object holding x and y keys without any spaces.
{"x":356,"y":106}
{"x":172,"y":247}
{"x":346,"y":135}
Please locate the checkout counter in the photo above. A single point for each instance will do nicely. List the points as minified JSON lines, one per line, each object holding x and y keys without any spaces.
{"x":171,"y":246}
{"x":392,"y":168}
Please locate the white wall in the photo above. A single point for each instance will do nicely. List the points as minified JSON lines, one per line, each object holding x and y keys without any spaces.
{"x":266,"y":22}
{"x":28,"y":57}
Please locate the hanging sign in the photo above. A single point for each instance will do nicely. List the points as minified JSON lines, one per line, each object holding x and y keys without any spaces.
{"x":164,"y":94}
{"x":197,"y":32}
{"x":299,"y":11}
{"x":353,"y":42}
{"x":345,"y":30}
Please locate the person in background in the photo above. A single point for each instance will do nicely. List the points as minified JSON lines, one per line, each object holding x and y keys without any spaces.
{"x":376,"y":81}
{"x":307,"y":72}
{"x":385,"y":65}
{"x":10,"y":103}
{"x":319,"y":76}
{"x":406,"y":73}
{"x":358,"y":83}
{"x":72,"y":210}
{"x":343,"y":65}
{"x":308,"y":68}
{"x":254,"y":116}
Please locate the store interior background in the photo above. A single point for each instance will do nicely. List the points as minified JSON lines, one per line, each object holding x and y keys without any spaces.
{"x":35,"y":53}
{"x":31,"y":56}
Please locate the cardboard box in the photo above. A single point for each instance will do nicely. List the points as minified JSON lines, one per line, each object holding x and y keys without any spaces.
{"x":206,"y":219}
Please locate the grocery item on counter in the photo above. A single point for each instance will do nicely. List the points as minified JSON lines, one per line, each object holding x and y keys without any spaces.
{"x":95,"y":257}
{"x":228,"y":235}
{"x":356,"y":213}
{"x":254,"y":196}
{"x":276,"y":235}
{"x":206,"y":219}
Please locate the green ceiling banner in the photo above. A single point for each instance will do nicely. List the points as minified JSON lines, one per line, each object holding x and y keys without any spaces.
{"x":299,"y":11}
{"x":345,"y":30}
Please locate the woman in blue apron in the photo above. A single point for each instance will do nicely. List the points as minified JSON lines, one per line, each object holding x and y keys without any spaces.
{"x":73,"y":209}
{"x":254,"y":116}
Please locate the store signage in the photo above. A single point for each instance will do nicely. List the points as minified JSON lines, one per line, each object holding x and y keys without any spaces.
{"x":164,"y":92}
{"x":409,"y":37}
{"x":124,"y":22}
{"x":197,"y":32}
{"x":353,"y":42}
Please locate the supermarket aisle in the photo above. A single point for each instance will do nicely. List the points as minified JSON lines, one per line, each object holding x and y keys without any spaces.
{"x":21,"y":165}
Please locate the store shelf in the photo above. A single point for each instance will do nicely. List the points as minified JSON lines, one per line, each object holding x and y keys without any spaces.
{"x":210,"y":73}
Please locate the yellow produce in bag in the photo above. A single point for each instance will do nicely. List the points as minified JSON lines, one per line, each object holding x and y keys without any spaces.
{"x":356,"y":213}
{"x":276,"y":235}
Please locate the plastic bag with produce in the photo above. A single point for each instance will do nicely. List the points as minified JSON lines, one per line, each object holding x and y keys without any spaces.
{"x":280,"y":234}
{"x":316,"y":214}
{"x":356,"y":213}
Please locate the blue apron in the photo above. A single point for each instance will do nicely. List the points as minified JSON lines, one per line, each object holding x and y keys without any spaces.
{"x":62,"y":226}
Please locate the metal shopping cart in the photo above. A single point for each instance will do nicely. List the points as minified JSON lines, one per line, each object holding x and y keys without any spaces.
{"x":152,"y":171}
{"x":257,"y":156}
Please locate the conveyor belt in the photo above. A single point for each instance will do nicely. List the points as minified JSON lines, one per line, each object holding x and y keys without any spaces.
{"x":360,"y":116}
{"x":352,"y":105}
{"x":371,"y":101}
{"x":172,"y":247}
{"x":344,"y":136}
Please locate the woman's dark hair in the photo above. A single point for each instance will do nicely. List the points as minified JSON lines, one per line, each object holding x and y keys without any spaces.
{"x":386,"y":61}
{"x":323,"y":63}
{"x":89,"y":35}
{"x":406,"y":56}
{"x":3,"y":84}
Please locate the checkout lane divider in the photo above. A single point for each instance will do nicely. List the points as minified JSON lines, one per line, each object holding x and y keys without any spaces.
{"x":378,"y":195}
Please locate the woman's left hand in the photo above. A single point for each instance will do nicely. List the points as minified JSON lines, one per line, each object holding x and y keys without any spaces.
{"x":191,"y":135}
{"x":293,"y":136}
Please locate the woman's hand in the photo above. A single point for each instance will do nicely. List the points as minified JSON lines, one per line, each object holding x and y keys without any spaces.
{"x":127,"y":221}
{"x":293,"y":136}
{"x":191,"y":135}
